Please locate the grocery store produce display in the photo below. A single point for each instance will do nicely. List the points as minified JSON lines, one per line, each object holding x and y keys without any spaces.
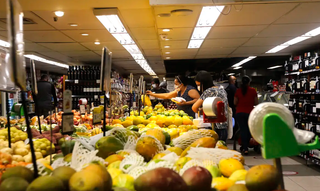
{"x":157,"y":149}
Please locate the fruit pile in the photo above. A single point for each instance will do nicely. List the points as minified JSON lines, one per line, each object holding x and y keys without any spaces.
{"x":44,"y":146}
{"x":16,"y":135}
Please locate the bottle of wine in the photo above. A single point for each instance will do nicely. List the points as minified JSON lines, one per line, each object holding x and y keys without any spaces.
{"x":69,"y":73}
{"x":317,"y":86}
{"x":301,"y":64}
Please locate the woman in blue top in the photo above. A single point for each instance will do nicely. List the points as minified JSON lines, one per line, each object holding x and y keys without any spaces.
{"x":182,"y":89}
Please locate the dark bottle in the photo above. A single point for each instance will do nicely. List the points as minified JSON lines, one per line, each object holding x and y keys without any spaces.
{"x":298,"y":124}
{"x":301,"y":64}
{"x":94,"y":73}
{"x":317,"y":86}
{"x":69,"y":73}
{"x":98,"y":73}
{"x":295,"y":65}
{"x":294,"y":86}
{"x":85,"y":89}
{"x":306,"y":107}
{"x":294,"y":105}
{"x":307,"y":61}
{"x":81,"y":77}
{"x":316,"y":60}
{"x":305,"y":85}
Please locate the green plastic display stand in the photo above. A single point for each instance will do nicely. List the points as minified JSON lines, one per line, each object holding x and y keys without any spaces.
{"x":279,"y":140}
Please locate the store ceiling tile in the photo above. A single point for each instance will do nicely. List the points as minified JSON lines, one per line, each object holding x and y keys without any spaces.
{"x":304,"y":13}
{"x":39,"y":24}
{"x":94,"y":35}
{"x":84,"y":18}
{"x":79,"y":53}
{"x":154,"y":58}
{"x":111,"y":45}
{"x":148,"y":44}
{"x":215,"y":51}
{"x":211,"y":56}
{"x":213,"y":43}
{"x":180,"y":52}
{"x":136,"y":18}
{"x":143,"y":33}
{"x":254,"y":14}
{"x":123,"y":54}
{"x":290,"y":30}
{"x":175,"y":44}
{"x":235,"y":31}
{"x":178,"y":33}
{"x":60,"y":47}
{"x":55,"y":56}
{"x":155,"y":52}
{"x":177,"y":21}
{"x":91,"y":58}
{"x":46,"y":36}
{"x":274,"y":41}
{"x":181,"y":56}
{"x":34,"y":47}
{"x":252,"y":51}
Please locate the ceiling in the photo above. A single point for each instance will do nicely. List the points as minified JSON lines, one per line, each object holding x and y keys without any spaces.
{"x":249,"y":29}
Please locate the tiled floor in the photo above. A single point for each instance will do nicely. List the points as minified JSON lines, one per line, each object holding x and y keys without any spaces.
{"x":301,"y":178}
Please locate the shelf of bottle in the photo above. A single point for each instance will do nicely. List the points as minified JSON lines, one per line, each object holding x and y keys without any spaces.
{"x":84,"y":81}
{"x":82,"y":96}
{"x":306,"y":93}
{"x":302,"y":72}
{"x":308,"y":114}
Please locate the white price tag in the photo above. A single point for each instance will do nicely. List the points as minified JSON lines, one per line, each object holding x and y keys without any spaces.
{"x":76,"y":81}
{"x":67,"y":123}
{"x":98,"y":81}
{"x":96,"y":96}
{"x":82,"y":109}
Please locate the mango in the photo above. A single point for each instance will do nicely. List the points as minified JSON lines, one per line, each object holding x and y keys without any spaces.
{"x":197,"y":178}
{"x":207,"y":142}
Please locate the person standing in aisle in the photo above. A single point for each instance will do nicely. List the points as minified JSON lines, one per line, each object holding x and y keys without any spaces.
{"x":245,"y":99}
{"x":231,"y":91}
{"x":46,"y":91}
{"x":156,"y":89}
{"x":182,"y":89}
{"x":205,"y":85}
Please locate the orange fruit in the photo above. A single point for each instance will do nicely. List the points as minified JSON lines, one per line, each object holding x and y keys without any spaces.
{"x":229,"y":166}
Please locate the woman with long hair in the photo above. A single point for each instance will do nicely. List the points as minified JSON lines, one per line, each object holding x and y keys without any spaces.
{"x":245,"y":99}
{"x":182,"y":89}
{"x":207,"y":89}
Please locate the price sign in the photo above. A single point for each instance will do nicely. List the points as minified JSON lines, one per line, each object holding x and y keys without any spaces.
{"x":98,"y":81}
{"x":76,"y":81}
{"x":67,"y":101}
{"x":102,"y":99}
{"x":67,"y":123}
{"x":82,"y":109}
{"x":97,"y":114}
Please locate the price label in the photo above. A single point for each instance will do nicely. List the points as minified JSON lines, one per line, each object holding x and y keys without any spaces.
{"x":102,"y":99}
{"x":82,"y":109}
{"x":265,"y":97}
{"x":98,"y":81}
{"x":67,"y":123}
{"x":76,"y":81}
{"x":96,"y":96}
{"x":97,"y":114}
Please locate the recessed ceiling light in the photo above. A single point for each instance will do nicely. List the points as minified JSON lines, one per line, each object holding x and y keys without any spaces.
{"x":274,"y":67}
{"x":73,"y":24}
{"x":168,"y":57}
{"x":85,"y":34}
{"x":166,"y":39}
{"x":167,"y":46}
{"x":97,"y":43}
{"x":59,"y":13}
{"x":167,"y":52}
{"x":165,"y":30}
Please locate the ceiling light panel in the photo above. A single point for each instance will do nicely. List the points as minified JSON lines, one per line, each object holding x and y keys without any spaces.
{"x":40,"y":59}
{"x":112,"y":22}
{"x":236,"y":68}
{"x":244,"y":61}
{"x":310,"y":34}
{"x":274,"y":67}
{"x":208,"y":17}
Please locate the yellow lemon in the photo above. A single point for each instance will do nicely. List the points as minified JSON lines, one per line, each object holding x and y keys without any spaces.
{"x":229,"y":166}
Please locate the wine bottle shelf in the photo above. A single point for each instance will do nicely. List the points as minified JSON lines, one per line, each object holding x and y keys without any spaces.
{"x":306,"y":93}
{"x":303,"y":72}
{"x":83,"y":81}
{"x":308,"y":114}
{"x":82,"y":96}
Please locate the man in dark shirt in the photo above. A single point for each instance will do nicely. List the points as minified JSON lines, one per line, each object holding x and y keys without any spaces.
{"x":46,"y":91}
{"x":231,"y":90}
{"x":157,"y":89}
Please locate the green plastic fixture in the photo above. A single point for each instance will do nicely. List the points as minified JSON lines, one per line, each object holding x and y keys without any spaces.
{"x":279,"y":140}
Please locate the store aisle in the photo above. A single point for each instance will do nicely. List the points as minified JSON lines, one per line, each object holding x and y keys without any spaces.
{"x":298,"y":176}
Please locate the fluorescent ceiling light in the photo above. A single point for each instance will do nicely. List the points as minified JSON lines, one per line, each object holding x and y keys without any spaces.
{"x":277,"y":48}
{"x":97,"y":43}
{"x":4,"y":44}
{"x":40,"y":59}
{"x":166,"y":39}
{"x":230,"y":74}
{"x":73,"y":24}
{"x":85,"y":34}
{"x":274,"y":67}
{"x":236,"y":68}
{"x":155,"y":77}
{"x":244,"y":61}
{"x":166,"y":46}
{"x":296,"y":40}
{"x":208,"y":17}
{"x":307,"y":35}
{"x":165,"y":30}
{"x":112,"y":22}
{"x":195,"y":43}
{"x":168,"y":57}
{"x":167,"y":52}
{"x":59,"y":13}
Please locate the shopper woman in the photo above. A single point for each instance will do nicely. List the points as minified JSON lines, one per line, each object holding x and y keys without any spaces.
{"x":182,"y":89}
{"x":205,"y":85}
{"x":245,"y":99}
